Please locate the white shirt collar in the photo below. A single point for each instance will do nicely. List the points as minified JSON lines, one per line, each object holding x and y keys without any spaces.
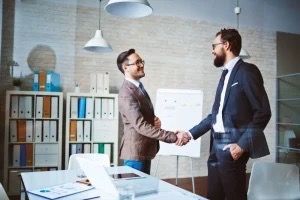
{"x":135,"y":82}
{"x":231,"y":63}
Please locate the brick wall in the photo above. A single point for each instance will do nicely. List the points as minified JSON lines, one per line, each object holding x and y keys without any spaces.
{"x":177,"y":54}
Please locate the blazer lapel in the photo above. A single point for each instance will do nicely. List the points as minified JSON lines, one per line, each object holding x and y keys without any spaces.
{"x":230,"y":81}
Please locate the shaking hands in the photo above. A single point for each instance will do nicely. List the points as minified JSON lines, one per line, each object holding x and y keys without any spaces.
{"x":182,"y":138}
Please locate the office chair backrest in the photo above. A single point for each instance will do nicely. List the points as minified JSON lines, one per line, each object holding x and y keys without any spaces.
{"x":3,"y":195}
{"x":101,"y":159}
{"x":273,"y":181}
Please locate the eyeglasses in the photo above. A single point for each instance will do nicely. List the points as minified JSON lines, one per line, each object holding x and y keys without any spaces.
{"x":216,"y":44}
{"x":137,"y":63}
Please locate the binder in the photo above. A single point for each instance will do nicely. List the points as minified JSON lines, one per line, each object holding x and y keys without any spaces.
{"x":48,"y":82}
{"x":79,"y":131}
{"x":89,"y":111}
{"x":14,"y":107}
{"x":29,"y":130}
{"x":100,"y":83}
{"x":104,"y":108}
{"x":29,"y":155}
{"x":81,"y":107}
{"x":13,"y":131}
{"x":93,"y":83}
{"x":42,"y":80}
{"x":73,"y":130}
{"x":74,"y":107}
{"x":47,"y":107}
{"x":28,"y":106}
{"x":87,"y":148}
{"x":35,"y":84}
{"x":38,"y":131}
{"x":106,"y":83}
{"x":79,"y":148}
{"x":111,"y":109}
{"x":16,"y":155}
{"x":108,"y":150}
{"x":23,"y":155}
{"x":22,"y":107}
{"x":39,"y":107}
{"x":54,"y":107}
{"x":95,"y":147}
{"x":97,"y":108}
{"x":21,"y":127}
{"x":53,"y":131}
{"x":46,"y":131}
{"x":101,"y":148}
{"x":87,"y":131}
{"x":73,"y":149}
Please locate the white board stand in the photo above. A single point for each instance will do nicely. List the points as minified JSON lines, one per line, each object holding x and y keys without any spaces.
{"x":179,"y":110}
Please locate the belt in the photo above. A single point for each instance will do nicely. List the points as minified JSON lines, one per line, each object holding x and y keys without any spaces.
{"x":218,"y":135}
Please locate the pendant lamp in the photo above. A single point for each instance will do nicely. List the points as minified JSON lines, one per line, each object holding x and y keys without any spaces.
{"x":98,"y":43}
{"x":237,"y":10}
{"x":129,"y":8}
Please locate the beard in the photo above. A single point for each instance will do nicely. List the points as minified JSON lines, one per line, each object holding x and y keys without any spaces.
{"x":220,"y":59}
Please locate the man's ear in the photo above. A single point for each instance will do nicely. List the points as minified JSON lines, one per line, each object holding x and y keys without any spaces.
{"x":124,"y":67}
{"x":227,"y":45}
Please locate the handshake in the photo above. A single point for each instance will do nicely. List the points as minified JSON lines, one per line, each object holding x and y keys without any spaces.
{"x":182,"y":138}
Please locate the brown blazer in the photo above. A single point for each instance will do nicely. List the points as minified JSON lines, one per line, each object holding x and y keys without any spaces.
{"x":140,"y":139}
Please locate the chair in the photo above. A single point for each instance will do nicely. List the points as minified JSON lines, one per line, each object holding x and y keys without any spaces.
{"x":102,"y":159}
{"x":273,"y":181}
{"x":3,"y":195}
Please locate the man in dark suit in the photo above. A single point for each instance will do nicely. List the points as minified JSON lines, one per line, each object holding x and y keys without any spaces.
{"x":239,"y":116}
{"x":142,"y":131}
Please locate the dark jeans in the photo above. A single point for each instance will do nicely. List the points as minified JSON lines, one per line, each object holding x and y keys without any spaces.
{"x":143,"y":166}
{"x":226,"y":177}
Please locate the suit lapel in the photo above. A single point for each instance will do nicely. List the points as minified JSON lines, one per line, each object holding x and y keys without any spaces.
{"x":230,"y":81}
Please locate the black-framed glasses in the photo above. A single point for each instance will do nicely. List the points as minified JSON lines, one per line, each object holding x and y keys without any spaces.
{"x":137,"y":63}
{"x":216,"y":44}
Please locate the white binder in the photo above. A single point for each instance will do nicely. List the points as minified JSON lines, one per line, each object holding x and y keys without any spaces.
{"x":38,"y":131}
{"x":95,"y":148}
{"x":22,"y":107}
{"x":111,"y":109}
{"x":98,"y":108}
{"x":89,"y":111}
{"x":106,"y":83}
{"x":87,"y":131}
{"x":73,"y":149}
{"x":93,"y":83}
{"x":74,"y":107}
{"x":100,"y":83}
{"x":104,"y":108}
{"x":87,"y":148}
{"x":39,"y":107}
{"x":28,"y":106}
{"x":29,"y":130}
{"x":53,"y":131}
{"x":46,"y":131}
{"x":54,"y":107}
{"x":14,"y":111}
{"x":13,"y":131}
{"x":107,"y":150}
{"x":16,"y":155}
{"x":79,"y":131}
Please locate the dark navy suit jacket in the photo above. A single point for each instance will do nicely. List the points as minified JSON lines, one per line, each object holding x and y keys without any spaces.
{"x":246,"y":110}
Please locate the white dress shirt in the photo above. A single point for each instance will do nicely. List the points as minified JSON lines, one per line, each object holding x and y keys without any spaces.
{"x":135,"y":82}
{"x":219,"y":126}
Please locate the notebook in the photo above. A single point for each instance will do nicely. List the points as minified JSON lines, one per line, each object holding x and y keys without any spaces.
{"x":102,"y":181}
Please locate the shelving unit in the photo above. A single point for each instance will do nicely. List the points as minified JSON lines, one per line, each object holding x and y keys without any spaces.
{"x":288,"y":118}
{"x":92,"y":125}
{"x":33,"y":135}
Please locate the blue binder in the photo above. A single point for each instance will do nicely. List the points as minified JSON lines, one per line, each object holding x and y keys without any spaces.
{"x":22,"y":155}
{"x":81,"y":107}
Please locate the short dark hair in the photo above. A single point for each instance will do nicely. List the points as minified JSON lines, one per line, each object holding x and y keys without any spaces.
{"x":123,"y":57}
{"x":234,"y":39}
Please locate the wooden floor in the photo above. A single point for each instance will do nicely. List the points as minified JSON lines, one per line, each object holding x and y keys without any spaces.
{"x":200,"y":184}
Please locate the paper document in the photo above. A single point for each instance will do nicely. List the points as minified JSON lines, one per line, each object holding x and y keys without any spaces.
{"x":58,"y":191}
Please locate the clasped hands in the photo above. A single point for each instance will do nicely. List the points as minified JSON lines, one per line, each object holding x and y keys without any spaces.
{"x":182,"y":138}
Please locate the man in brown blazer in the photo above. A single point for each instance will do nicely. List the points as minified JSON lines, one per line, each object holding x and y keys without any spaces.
{"x":142,"y":129}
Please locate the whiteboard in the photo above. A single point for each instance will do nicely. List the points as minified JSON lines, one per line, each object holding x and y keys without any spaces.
{"x":179,"y":110}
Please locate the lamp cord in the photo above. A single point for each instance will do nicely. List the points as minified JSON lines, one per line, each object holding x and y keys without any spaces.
{"x":99,"y":13}
{"x":237,"y":15}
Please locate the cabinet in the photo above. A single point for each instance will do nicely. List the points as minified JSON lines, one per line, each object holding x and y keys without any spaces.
{"x":33,"y":135}
{"x":92,"y":125}
{"x":288,"y":118}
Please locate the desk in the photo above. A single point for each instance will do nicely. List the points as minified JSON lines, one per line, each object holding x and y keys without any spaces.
{"x":36,"y":180}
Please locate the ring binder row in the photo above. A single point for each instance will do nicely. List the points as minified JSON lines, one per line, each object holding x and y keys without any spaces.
{"x":33,"y":134}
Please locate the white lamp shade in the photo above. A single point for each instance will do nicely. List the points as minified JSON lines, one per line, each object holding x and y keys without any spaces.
{"x":244,"y":54}
{"x":129,"y":8}
{"x":98,"y":43}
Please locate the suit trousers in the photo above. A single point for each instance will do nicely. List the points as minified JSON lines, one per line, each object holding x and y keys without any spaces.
{"x":226,"y":177}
